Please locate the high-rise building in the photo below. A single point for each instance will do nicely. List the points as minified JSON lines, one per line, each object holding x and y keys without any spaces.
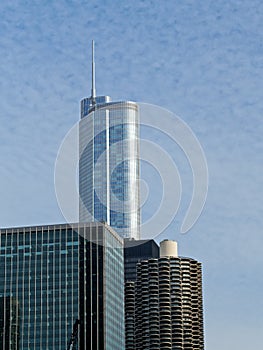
{"x":52,"y":275}
{"x":134,"y":252}
{"x":109,"y":163}
{"x":168,"y":302}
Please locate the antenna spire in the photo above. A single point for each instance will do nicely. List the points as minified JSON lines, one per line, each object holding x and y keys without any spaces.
{"x":93,"y":89}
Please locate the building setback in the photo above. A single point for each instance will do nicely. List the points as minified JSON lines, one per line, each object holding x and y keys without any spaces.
{"x":52,"y":275}
{"x":168,"y":302}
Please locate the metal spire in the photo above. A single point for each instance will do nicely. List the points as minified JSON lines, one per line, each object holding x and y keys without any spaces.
{"x":93,"y":90}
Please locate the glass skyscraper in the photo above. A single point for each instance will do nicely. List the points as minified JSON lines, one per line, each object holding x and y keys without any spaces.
{"x":109,"y":164}
{"x":52,"y":275}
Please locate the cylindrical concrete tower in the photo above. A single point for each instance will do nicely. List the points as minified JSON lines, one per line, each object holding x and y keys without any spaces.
{"x":168,"y":248}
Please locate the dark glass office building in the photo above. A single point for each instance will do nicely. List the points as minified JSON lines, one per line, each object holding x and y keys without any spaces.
{"x":52,"y":275}
{"x":134,"y":252}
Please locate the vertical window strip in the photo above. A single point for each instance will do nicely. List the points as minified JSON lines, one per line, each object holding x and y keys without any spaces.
{"x":91,"y":284}
{"x":66,"y":239}
{"x":73,"y":296}
{"x":97,"y":281}
{"x":5,"y":288}
{"x":34,"y":257}
{"x":22,"y":331}
{"x":11,"y":296}
{"x":60,"y":296}
{"x":52,"y":287}
{"x":41,"y":289}
{"x":18,"y":303}
{"x":47,"y":330}
{"x":29,"y":289}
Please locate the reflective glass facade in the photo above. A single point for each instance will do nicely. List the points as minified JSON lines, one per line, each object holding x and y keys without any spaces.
{"x":109,"y":165}
{"x":49,"y":277}
{"x":39,"y":268}
{"x":102,"y":290}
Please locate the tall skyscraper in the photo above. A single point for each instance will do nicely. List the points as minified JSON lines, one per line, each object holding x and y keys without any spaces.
{"x":168,"y":302}
{"x":109,"y":163}
{"x":52,"y":275}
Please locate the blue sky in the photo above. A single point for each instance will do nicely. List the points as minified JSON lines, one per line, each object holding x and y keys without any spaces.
{"x":203,"y":60}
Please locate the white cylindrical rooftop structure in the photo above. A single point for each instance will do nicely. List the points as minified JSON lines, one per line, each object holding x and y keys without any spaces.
{"x":168,"y":248}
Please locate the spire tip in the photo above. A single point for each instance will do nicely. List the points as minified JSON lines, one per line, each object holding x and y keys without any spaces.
{"x":93,"y":89}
